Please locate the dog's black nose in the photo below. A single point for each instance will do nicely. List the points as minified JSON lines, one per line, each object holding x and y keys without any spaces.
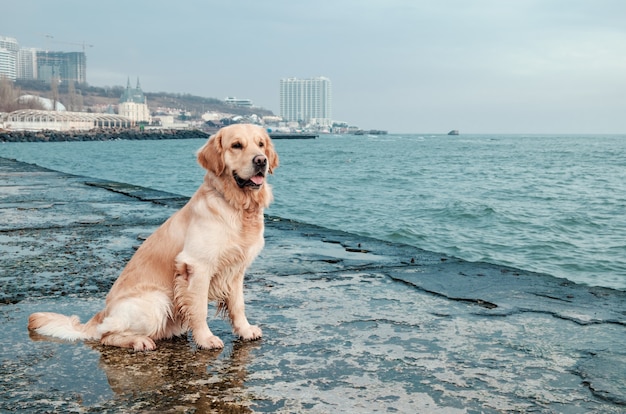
{"x":260,"y":161}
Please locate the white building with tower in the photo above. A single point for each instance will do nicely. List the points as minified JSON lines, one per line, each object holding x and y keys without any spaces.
{"x":134,"y":105}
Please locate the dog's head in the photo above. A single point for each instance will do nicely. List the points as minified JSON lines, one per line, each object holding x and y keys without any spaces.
{"x":241,"y":155}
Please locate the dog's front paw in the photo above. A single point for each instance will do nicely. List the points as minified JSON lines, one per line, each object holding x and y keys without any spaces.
{"x":209,"y":342}
{"x":250,"y":333}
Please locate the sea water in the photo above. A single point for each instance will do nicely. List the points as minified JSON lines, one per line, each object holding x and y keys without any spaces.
{"x":552,"y":204}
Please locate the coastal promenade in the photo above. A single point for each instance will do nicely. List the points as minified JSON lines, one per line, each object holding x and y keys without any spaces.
{"x":350,"y":324}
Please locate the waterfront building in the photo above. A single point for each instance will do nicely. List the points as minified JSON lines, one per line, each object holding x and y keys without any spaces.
{"x":9,"y":43}
{"x":238,"y":102}
{"x":37,"y":120}
{"x":307,"y":101}
{"x":62,"y":66}
{"x":134,"y":104}
{"x":8,"y":57}
{"x":27,"y":63}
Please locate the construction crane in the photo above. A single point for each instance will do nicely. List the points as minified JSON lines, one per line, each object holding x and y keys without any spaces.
{"x":83,"y":44}
{"x":48,"y":37}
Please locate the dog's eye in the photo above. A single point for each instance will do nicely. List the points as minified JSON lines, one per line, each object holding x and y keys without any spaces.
{"x":261,"y":144}
{"x":237,"y":145}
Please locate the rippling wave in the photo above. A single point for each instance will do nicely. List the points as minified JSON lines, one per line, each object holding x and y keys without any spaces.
{"x":553,"y":204}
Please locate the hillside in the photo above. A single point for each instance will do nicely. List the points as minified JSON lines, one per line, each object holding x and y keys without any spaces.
{"x":84,"y":97}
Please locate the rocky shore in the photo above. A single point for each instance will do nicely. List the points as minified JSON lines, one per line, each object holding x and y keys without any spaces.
{"x":99,"y":135}
{"x":350,"y":324}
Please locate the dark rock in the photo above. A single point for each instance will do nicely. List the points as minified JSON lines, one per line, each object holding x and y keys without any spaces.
{"x":99,"y":135}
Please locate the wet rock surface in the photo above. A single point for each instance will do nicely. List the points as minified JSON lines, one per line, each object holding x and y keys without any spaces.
{"x":350,"y":324}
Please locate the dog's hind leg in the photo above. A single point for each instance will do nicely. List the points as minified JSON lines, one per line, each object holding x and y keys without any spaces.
{"x":137,"y":321}
{"x":129,"y":340}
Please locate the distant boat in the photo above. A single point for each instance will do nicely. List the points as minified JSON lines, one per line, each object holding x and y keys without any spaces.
{"x":454,"y":132}
{"x":370,"y":132}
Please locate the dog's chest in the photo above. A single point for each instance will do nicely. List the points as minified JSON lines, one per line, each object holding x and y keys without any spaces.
{"x":239,"y":239}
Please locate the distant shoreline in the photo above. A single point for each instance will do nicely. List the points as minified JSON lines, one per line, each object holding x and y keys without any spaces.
{"x":122,"y":134}
{"x":100,"y":135}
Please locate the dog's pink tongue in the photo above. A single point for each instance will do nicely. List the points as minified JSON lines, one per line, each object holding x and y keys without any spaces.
{"x":257,"y":179}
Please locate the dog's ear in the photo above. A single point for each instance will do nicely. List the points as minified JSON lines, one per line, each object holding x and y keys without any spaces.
{"x":211,"y":155}
{"x":271,"y":155}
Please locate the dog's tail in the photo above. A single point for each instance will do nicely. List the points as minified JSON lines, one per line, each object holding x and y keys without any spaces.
{"x":60,"y":326}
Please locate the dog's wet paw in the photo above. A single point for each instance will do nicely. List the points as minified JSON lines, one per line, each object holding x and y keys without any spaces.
{"x":210,"y":342}
{"x":251,"y":333}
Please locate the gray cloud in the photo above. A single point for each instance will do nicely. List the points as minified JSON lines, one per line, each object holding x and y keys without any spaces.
{"x":408,"y":66}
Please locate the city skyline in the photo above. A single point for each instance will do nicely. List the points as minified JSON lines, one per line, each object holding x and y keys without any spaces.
{"x":486,"y":66}
{"x":18,"y":63}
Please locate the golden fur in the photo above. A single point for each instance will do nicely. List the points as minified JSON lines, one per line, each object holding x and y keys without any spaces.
{"x":198,"y":255}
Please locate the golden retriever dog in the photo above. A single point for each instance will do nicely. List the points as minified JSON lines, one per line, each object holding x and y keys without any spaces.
{"x":198,"y":255}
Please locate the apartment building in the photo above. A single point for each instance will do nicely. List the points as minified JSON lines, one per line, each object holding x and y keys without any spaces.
{"x":27,"y":64}
{"x":8,"y":57}
{"x":63,"y":66}
{"x":308,"y":101}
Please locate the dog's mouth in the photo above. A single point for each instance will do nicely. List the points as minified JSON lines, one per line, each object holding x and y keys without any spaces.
{"x":256,"y":181}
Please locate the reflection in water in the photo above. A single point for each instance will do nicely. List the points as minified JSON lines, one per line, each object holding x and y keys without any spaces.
{"x":176,"y":377}
{"x":179,"y":377}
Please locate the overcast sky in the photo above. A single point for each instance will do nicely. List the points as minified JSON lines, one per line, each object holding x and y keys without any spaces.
{"x":480,"y":66}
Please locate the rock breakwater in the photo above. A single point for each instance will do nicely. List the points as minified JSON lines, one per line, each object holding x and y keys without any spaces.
{"x":100,"y":135}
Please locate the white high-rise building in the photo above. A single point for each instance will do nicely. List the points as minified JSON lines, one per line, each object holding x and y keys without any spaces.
{"x":307,"y":101}
{"x":27,"y":63}
{"x":8,"y":57}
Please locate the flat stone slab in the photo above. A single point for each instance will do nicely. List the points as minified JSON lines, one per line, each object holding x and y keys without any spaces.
{"x":350,"y":324}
